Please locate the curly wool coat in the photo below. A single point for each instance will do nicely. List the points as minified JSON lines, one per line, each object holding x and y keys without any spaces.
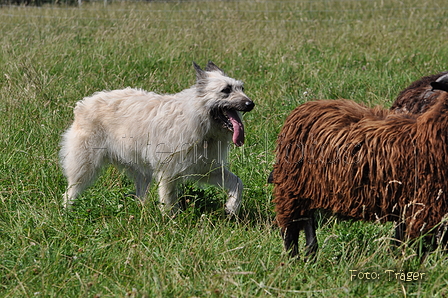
{"x":419,"y":96}
{"x":370,"y":164}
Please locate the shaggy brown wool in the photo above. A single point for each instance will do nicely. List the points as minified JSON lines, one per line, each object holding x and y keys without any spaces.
{"x":418,"y":97}
{"x":369,"y":164}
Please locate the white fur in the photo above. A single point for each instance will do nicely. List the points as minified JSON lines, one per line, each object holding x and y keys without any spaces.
{"x":151,"y":136}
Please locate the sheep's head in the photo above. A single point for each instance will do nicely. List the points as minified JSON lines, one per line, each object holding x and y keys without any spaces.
{"x":440,"y":84}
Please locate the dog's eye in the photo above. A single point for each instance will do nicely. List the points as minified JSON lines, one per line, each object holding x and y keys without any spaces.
{"x":227,"y":90}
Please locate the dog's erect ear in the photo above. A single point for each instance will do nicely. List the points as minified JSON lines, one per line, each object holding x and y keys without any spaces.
{"x":200,"y":74}
{"x":212,"y":67}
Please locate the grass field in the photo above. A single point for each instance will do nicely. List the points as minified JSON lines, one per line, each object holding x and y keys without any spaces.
{"x":286,"y":52}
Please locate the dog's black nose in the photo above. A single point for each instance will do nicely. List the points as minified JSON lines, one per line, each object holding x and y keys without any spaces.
{"x":249,"y":105}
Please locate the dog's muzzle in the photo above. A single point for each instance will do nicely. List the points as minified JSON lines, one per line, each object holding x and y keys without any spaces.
{"x":245,"y":105}
{"x":249,"y":105}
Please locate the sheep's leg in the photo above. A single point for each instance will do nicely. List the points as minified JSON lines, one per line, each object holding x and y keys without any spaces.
{"x":400,"y":230}
{"x":291,"y":239}
{"x":310,"y":235}
{"x":291,"y":236}
{"x":399,"y":234}
{"x":441,"y":237}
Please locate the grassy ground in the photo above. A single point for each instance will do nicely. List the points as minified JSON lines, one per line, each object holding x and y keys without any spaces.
{"x":287,"y":53}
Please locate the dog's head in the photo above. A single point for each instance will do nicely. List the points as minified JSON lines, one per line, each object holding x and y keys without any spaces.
{"x":225,"y":99}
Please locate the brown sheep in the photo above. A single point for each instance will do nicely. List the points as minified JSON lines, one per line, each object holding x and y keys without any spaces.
{"x":420,"y":95}
{"x":362,"y":163}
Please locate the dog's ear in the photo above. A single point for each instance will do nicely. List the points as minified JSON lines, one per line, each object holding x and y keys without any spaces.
{"x":200,"y":74}
{"x":212,"y":67}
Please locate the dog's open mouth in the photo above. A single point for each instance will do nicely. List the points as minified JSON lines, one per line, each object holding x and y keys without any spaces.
{"x":231,"y":120}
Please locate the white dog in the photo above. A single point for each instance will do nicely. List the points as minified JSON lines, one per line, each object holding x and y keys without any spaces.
{"x":168,"y":138}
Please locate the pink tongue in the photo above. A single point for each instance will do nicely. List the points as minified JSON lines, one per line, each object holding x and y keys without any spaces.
{"x":238,"y":128}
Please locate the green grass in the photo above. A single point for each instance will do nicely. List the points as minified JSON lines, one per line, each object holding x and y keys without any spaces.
{"x":286,"y":53}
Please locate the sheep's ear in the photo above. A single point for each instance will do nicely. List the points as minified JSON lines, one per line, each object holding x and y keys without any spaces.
{"x":271,"y":177}
{"x":443,"y":79}
{"x":439,"y":86}
{"x":441,"y":83}
{"x":212,"y":67}
{"x":200,"y":74}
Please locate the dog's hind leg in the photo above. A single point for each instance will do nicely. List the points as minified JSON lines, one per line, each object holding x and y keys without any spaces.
{"x":141,"y":186}
{"x":232,"y":184}
{"x":81,"y":167}
{"x":141,"y":181}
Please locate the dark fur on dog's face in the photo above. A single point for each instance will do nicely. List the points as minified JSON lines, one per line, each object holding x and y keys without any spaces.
{"x":224,"y":97}
{"x":214,"y":81}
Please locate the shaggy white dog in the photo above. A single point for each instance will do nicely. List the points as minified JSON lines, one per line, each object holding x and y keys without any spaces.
{"x":168,"y":138}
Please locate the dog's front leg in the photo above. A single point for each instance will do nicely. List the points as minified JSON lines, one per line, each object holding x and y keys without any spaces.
{"x":232,"y":184}
{"x":168,"y":197}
